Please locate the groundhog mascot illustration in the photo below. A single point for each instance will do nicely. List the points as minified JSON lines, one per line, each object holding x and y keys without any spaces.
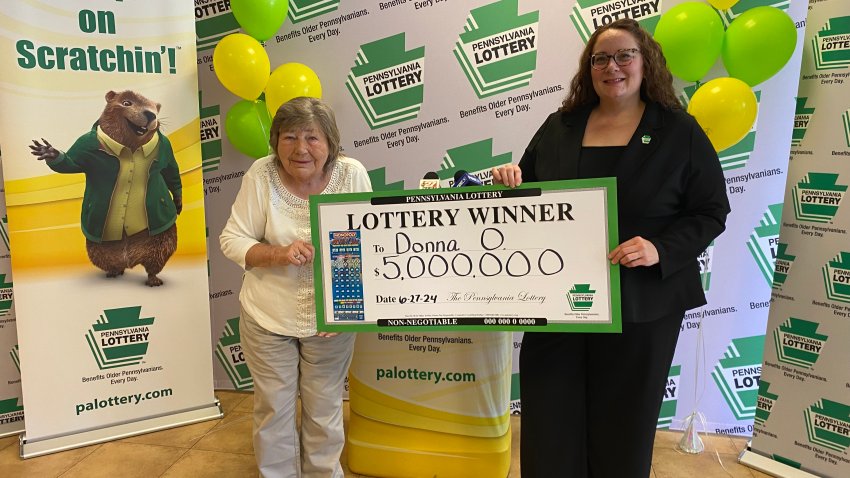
{"x":133,"y":192}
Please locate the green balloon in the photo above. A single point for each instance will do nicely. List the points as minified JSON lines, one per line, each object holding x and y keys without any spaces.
{"x":758,"y":43}
{"x":690,"y":35}
{"x":247,"y":126}
{"x":260,"y":18}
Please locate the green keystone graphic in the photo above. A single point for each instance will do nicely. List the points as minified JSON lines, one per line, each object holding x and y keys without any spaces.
{"x":738,"y":373}
{"x":786,"y":461}
{"x":798,"y":342}
{"x":588,"y":15}
{"x":211,"y":129}
{"x":229,"y":352}
{"x":498,"y":48}
{"x":10,"y":405}
{"x":737,"y":155}
{"x":784,"y":261}
{"x":580,"y":297}
{"x":120,"y":337}
{"x":765,"y":402}
{"x":300,"y":10}
{"x":10,"y":411}
{"x":802,"y":117}
{"x":476,"y":158}
{"x":829,"y":45}
{"x":704,"y":261}
{"x":817,"y":197}
{"x":836,"y":277}
{"x":845,"y":121}
{"x":4,"y":231}
{"x":828,"y":424}
{"x":213,"y":21}
{"x":378,"y":178}
{"x":6,"y":296}
{"x":387,"y":81}
{"x":744,"y":5}
{"x":671,"y":398}
{"x":16,"y":357}
{"x":764,"y":239}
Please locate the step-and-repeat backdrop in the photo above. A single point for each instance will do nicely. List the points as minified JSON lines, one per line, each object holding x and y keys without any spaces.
{"x":802,"y":417}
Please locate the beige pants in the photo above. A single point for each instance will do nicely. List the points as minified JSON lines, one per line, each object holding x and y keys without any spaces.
{"x":283,"y":367}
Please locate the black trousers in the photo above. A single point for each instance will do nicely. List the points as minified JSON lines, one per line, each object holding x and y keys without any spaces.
{"x":590,"y":402}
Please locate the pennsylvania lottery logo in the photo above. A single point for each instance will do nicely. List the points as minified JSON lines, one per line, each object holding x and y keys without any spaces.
{"x":828,"y":424}
{"x":802,"y":117}
{"x":300,"y":10}
{"x":498,"y":48}
{"x":831,"y":45}
{"x":836,"y":277}
{"x":387,"y":81}
{"x":213,"y":21}
{"x":4,"y":232}
{"x":817,"y":197}
{"x":588,"y":15}
{"x":120,"y":337}
{"x":765,"y":403}
{"x":744,"y":5}
{"x":704,"y":261}
{"x":798,"y":342}
{"x":764,"y":240}
{"x":516,"y":405}
{"x":737,"y":155}
{"x":671,"y":398}
{"x":229,"y":352}
{"x":784,"y":261}
{"x":738,"y":373}
{"x":10,"y":411}
{"x":210,"y":137}
{"x":580,"y":297}
{"x":16,"y":357}
{"x":6,"y":296}
{"x":476,"y":158}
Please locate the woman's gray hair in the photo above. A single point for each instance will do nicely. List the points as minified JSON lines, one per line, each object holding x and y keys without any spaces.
{"x":302,"y":112}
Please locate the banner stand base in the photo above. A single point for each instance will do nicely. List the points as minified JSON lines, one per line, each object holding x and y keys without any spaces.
{"x":772,"y":467}
{"x":100,"y":435}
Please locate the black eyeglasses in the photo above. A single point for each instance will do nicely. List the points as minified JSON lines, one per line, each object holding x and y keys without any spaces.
{"x":624,"y":57}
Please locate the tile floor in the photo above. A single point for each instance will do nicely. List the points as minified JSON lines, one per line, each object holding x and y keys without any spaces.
{"x":222,"y":448}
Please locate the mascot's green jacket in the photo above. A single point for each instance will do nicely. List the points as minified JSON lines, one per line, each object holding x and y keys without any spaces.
{"x":101,"y":167}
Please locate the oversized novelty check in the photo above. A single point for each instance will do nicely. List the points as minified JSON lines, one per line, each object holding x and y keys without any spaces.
{"x":477,"y":258}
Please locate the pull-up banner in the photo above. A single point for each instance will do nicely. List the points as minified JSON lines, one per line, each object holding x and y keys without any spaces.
{"x":102,"y":166}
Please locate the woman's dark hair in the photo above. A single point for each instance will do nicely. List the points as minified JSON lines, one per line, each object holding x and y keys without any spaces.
{"x":302,"y":112}
{"x":657,"y":83}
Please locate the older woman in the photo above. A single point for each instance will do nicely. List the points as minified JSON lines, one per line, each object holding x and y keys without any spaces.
{"x":590,"y":402}
{"x":268,"y":234}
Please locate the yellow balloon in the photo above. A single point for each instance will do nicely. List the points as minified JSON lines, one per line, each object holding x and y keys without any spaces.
{"x":241,"y":65}
{"x":288,"y":81}
{"x":722,"y":4}
{"x":726,"y":109}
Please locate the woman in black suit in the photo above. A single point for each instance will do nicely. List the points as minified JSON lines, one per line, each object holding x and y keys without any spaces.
{"x":590,"y":402}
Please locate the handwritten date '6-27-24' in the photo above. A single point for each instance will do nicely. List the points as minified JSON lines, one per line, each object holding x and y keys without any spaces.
{"x":408,"y":299}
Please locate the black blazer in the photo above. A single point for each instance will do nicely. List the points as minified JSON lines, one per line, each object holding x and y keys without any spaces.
{"x":670,"y":191}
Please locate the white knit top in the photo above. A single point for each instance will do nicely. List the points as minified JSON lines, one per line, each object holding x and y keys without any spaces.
{"x":279,"y":298}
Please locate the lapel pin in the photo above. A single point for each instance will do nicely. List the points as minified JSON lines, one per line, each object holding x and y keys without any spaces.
{"x":645,"y":139}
